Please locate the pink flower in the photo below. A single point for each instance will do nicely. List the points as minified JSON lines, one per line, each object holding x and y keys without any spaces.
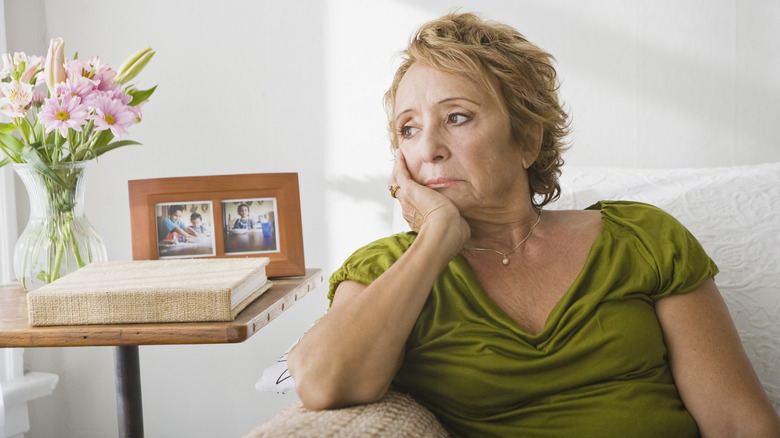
{"x":78,"y":86}
{"x":114,"y":91}
{"x":19,"y":60}
{"x":7,"y":63}
{"x":34,"y":63}
{"x":93,"y":69}
{"x":112,"y":114}
{"x":69,"y":113}
{"x":11,"y":63}
{"x":38,"y":97}
{"x":102,"y":72}
{"x":8,"y":108}
{"x":77,"y":68}
{"x":16,"y":98}
{"x":137,"y":111}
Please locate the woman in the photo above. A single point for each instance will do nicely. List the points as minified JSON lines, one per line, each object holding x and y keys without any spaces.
{"x":506,"y":319}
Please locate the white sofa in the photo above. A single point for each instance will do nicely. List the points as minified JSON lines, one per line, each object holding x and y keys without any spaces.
{"x":733,"y":211}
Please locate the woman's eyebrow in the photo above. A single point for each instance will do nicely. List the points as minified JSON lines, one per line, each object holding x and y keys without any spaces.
{"x":455,"y":98}
{"x":443,"y":101}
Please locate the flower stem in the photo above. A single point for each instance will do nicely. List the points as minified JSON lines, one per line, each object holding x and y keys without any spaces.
{"x":55,"y":270}
{"x":75,"y":244}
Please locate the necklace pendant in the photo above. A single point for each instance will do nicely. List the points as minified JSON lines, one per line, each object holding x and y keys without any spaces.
{"x":505,"y":261}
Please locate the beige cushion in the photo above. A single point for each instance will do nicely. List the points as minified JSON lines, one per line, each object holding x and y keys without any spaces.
{"x":396,"y":415}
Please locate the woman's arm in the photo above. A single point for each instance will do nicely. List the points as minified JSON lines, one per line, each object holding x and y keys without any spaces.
{"x":184,"y":230}
{"x":711,"y":369}
{"x":352,"y":354}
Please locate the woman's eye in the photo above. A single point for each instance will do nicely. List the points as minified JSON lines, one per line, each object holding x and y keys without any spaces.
{"x":457,"y":119}
{"x":408,"y":131}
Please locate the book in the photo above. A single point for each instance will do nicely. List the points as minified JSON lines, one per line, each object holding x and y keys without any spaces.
{"x":150,"y":291}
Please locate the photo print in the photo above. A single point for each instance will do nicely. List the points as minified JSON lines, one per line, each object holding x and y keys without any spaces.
{"x":185,"y":229}
{"x":250,"y":226}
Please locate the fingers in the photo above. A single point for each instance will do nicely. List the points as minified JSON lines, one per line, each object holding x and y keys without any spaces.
{"x":400,"y":170}
{"x":400,"y":175}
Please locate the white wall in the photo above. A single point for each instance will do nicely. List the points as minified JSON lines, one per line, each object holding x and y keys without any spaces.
{"x":262,"y":86}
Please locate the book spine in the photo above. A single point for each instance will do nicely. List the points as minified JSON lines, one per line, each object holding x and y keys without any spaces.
{"x":108,"y":308}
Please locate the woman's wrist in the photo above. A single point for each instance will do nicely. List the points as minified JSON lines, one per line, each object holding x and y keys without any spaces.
{"x":448,"y":235}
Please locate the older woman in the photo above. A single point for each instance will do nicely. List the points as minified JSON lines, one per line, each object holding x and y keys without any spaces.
{"x":507,"y":320}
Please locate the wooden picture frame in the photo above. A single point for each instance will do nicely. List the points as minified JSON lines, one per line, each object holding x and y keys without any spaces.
{"x":276,"y":233}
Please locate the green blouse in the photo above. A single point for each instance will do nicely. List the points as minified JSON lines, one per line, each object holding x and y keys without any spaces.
{"x":597,"y":369}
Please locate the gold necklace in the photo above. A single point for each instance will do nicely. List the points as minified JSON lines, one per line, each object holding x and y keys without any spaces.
{"x":505,"y":261}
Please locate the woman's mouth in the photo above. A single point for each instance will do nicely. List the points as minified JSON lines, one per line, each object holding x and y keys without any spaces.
{"x":440,"y":183}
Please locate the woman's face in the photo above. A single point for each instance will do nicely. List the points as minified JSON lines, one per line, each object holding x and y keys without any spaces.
{"x":457,"y":140}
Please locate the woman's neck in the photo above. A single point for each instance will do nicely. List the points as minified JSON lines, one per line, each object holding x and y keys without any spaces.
{"x":503,"y":231}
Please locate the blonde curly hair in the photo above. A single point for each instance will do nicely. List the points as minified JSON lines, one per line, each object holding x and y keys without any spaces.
{"x":515,"y":72}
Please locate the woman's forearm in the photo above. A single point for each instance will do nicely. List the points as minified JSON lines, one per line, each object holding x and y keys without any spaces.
{"x":353,"y":353}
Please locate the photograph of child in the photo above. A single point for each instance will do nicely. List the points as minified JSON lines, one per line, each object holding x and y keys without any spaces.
{"x":197,"y":224}
{"x":184,"y":230}
{"x":244,"y":221}
{"x":250,"y":226}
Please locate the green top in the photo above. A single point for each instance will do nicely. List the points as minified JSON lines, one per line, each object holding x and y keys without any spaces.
{"x":597,"y":369}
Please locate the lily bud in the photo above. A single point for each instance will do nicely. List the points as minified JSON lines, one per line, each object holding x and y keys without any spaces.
{"x":133,"y":65}
{"x":54,"y":69}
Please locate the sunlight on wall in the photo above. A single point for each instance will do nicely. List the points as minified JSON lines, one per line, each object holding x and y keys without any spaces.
{"x":358,"y":159}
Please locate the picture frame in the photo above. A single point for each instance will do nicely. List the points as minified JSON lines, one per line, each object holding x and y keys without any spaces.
{"x":245,"y":215}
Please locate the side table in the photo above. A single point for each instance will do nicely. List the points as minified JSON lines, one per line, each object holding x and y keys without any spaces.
{"x":15,"y":331}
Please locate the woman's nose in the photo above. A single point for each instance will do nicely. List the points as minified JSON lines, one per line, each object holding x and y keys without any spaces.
{"x":433,"y":145}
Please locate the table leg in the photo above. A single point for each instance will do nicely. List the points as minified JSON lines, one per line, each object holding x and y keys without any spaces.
{"x":130,"y":414}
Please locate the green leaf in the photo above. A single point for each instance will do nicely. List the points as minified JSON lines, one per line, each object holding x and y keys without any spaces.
{"x":11,"y":154}
{"x":109,"y":147}
{"x":101,"y":139}
{"x":4,"y":161}
{"x":38,"y":131}
{"x":50,"y":136}
{"x":32,"y":157}
{"x":140,"y":96}
{"x":7,"y":128}
{"x":72,"y":142}
{"x":11,"y":142}
{"x":25,"y":128}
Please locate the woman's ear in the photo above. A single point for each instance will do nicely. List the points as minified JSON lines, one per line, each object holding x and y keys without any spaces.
{"x":533,"y":143}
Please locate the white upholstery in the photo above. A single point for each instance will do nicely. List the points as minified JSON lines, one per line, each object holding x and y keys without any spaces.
{"x":735,"y":214}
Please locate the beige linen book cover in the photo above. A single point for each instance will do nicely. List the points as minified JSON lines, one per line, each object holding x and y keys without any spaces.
{"x":148,"y":291}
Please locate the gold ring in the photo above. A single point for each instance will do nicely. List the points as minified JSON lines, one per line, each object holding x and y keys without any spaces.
{"x":394,"y":188}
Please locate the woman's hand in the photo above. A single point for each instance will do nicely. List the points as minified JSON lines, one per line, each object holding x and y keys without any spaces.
{"x":424,"y":206}
{"x":353,"y":353}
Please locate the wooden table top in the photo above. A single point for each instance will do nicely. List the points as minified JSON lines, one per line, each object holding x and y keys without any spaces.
{"x":15,"y":331}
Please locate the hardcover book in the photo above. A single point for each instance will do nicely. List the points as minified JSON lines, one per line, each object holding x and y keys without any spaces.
{"x":150,"y":291}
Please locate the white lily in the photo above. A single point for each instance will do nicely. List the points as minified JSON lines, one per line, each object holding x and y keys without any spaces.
{"x":54,"y":69}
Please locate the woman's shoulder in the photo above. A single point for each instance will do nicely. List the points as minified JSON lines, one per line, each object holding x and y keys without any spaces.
{"x":624,"y":206}
{"x":655,"y":229}
{"x":634,"y":214}
{"x":370,"y":261}
{"x":393,"y":246}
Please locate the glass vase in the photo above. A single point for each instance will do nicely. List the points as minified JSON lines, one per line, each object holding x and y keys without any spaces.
{"x":58,"y":238}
